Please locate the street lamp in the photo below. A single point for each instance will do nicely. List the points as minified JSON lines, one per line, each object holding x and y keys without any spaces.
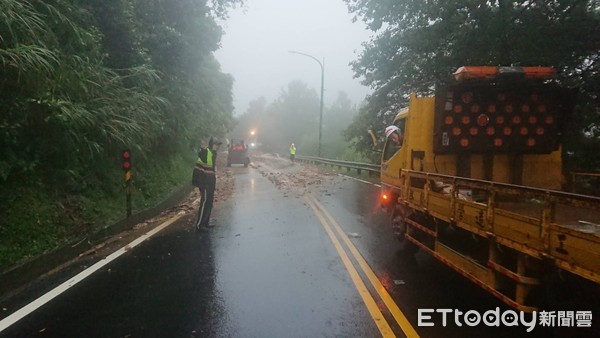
{"x":322,"y":87}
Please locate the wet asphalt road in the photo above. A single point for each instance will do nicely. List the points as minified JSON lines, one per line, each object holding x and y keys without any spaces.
{"x":267,"y":269}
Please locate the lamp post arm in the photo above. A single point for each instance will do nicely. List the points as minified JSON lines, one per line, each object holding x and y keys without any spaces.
{"x":310,"y":56}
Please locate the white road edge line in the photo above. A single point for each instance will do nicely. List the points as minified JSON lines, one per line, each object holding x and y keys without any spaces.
{"x":29,"y":308}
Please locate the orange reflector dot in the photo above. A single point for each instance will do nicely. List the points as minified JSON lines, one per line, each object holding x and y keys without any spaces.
{"x":549,"y":119}
{"x":483,"y":120}
{"x":467,"y":97}
{"x":541,"y":108}
{"x":499,"y":119}
{"x":458,"y":108}
{"x":525,"y":108}
{"x":508,"y":108}
{"x":456,"y":131}
{"x":498,"y":142}
{"x":492,"y":108}
{"x":475,"y":108}
{"x":465,"y":120}
{"x":532,"y":119}
{"x":464,"y":142}
{"x":507,"y":131}
{"x":473,"y":131}
{"x":539,"y":131}
{"x":448,"y":120}
{"x":516,"y":119}
{"x":490,"y":131}
{"x":530,"y":142}
{"x":524,"y":131}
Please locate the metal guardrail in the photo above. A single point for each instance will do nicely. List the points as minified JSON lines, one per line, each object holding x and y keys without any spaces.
{"x":372,"y":169}
{"x":587,"y":183}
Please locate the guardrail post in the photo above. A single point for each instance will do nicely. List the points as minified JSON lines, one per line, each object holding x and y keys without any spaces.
{"x":548,"y":217}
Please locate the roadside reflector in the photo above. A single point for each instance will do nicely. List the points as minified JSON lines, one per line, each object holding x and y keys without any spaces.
{"x":530,"y":142}
{"x":473,"y":131}
{"x":516,"y":119}
{"x":499,"y":119}
{"x":541,"y":108}
{"x":465,"y":120}
{"x":458,"y":108}
{"x":532,"y":119}
{"x":525,"y":108}
{"x":448,"y":120}
{"x":498,"y":142}
{"x":490,"y":131}
{"x":456,"y":131}
{"x":464,"y":142}
{"x":508,"y":108}
{"x":549,"y":120}
{"x":539,"y":131}
{"x":507,"y":131}
{"x":492,"y":108}
{"x":475,"y":108}
{"x":126,"y":158}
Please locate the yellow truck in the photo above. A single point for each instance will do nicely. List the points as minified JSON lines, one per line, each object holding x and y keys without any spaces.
{"x":476,"y":182}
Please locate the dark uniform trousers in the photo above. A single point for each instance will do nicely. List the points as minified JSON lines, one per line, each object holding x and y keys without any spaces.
{"x":207,"y":193}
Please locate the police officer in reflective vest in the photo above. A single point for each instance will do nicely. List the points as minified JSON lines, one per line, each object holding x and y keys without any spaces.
{"x":292,"y":152}
{"x":205,"y":167}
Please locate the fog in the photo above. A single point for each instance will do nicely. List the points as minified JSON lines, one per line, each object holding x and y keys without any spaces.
{"x":258,"y":38}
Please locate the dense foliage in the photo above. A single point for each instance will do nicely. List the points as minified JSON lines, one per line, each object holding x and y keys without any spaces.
{"x":81,"y":80}
{"x":294,"y":118}
{"x":420,"y":43}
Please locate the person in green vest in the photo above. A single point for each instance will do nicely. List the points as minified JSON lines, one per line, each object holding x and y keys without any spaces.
{"x":206,"y":180}
{"x":292,"y":152}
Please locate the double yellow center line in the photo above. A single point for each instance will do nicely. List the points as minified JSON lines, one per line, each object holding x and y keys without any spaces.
{"x":383,"y":326}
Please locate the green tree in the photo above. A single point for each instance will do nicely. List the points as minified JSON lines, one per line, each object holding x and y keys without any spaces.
{"x":335,"y":120}
{"x":80,"y":81}
{"x":292,"y":118}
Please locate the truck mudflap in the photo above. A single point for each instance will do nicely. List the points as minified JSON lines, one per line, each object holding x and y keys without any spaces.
{"x":504,"y":237}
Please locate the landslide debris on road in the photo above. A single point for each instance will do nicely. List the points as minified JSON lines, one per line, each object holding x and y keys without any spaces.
{"x":288,"y":176}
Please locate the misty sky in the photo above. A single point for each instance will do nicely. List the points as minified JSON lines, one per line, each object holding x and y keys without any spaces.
{"x":258,"y":37}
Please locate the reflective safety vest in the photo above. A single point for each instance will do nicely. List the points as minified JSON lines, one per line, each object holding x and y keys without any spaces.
{"x":208,"y":165}
{"x":292,"y":150}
